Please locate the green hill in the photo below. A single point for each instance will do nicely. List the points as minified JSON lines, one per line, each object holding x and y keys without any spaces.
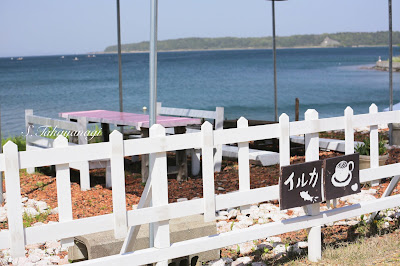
{"x":311,"y":40}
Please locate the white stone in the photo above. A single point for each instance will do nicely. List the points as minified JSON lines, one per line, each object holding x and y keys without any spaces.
{"x":386,"y":225}
{"x":41,"y":206}
{"x":223,"y":213}
{"x":261,"y":221}
{"x":247,"y":247}
{"x":279,"y":249}
{"x":53,"y":244}
{"x":54,"y":259}
{"x":302,"y":244}
{"x":247,"y":221}
{"x":24,"y":199}
{"x":274,"y":239}
{"x":388,"y":219}
{"x":221,"y":218}
{"x":238,"y":226}
{"x":391,"y":214}
{"x":30,"y":211}
{"x":33,"y":246}
{"x":232,"y":214}
{"x":21,"y":261}
{"x":31,"y":203}
{"x":54,"y":211}
{"x":222,"y":223}
{"x":241,"y":217}
{"x":221,"y":262}
{"x":181,"y":199}
{"x":258,"y":264}
{"x":241,"y":261}
{"x":34,"y":258}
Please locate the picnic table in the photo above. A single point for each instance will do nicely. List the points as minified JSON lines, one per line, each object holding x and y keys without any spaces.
{"x":140,"y":122}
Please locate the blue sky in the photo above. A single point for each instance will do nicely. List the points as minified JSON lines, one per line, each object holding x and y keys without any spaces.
{"x":43,"y":27}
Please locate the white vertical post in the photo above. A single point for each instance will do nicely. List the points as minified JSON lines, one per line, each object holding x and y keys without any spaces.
{"x":374,"y":144}
{"x":64,"y":191}
{"x":28,"y":130}
{"x":84,"y":168}
{"x":243,"y":161}
{"x":159,"y":185}
{"x":284,"y":140}
{"x":118,"y":184}
{"x":312,"y":154}
{"x":14,"y":209}
{"x":208,"y":172}
{"x":349,"y":130}
{"x":219,"y":125}
{"x":195,"y":154}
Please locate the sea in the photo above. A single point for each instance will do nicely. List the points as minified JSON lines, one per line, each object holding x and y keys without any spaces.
{"x":241,"y":81}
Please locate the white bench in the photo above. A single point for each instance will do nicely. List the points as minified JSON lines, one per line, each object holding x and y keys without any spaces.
{"x":217,"y":116}
{"x":34,"y":141}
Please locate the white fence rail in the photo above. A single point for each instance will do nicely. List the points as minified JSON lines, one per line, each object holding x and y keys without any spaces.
{"x":161,"y":212}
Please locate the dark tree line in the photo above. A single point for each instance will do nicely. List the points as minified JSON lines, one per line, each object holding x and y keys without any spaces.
{"x":311,"y":40}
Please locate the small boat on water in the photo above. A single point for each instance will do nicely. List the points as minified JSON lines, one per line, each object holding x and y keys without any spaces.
{"x":20,"y":58}
{"x":62,"y":57}
{"x":94,"y":55}
{"x":76,"y":59}
{"x":12,"y":58}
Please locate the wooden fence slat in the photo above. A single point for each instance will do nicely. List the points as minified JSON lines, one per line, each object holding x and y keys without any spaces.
{"x":219,"y":125}
{"x":349,"y":131}
{"x":64,"y":191}
{"x":159,"y":190}
{"x":208,"y":172}
{"x":284,"y":140}
{"x":374,"y":144}
{"x":46,"y":121}
{"x":28,"y":131}
{"x":118,"y":184}
{"x":14,"y":203}
{"x":312,"y":154}
{"x":243,"y":161}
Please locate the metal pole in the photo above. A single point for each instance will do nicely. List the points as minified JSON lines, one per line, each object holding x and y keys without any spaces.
{"x":274,"y":52}
{"x":153,"y":62}
{"x":153,"y":85}
{"x":121,"y":106}
{"x":390,"y":71}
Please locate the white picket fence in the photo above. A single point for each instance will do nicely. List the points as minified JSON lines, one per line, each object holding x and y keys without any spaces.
{"x":161,"y":212}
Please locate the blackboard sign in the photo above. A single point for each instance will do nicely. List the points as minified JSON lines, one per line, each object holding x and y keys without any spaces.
{"x":341,"y":176}
{"x":300,"y":185}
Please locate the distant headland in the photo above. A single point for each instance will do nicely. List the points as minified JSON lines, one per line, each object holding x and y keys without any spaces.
{"x":342,"y":39}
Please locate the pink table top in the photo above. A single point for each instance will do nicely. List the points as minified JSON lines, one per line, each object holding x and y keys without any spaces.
{"x":129,"y":119}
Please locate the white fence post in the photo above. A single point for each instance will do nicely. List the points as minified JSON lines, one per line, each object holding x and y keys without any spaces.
{"x":64,"y":191}
{"x":312,"y":154}
{"x":13,"y":192}
{"x":374,"y":144}
{"x":349,"y":130}
{"x":84,"y":166}
{"x":284,"y":140}
{"x":208,"y":172}
{"x":28,"y":130}
{"x":243,"y":161}
{"x":159,"y":190}
{"x":118,"y":184}
{"x":219,"y":125}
